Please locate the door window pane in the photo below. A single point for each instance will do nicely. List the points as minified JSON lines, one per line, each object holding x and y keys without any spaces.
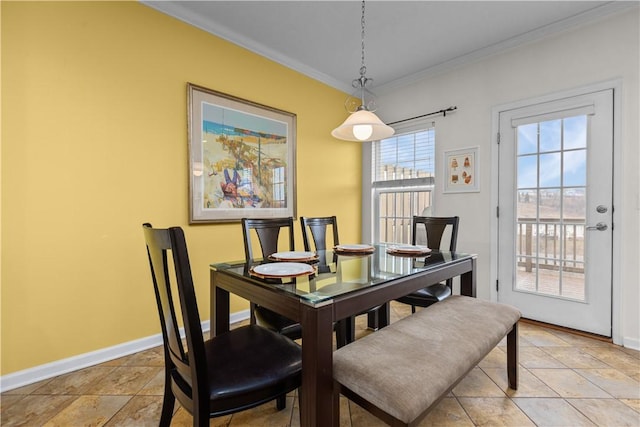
{"x":575,"y":132}
{"x":528,"y":139}
{"x":575,"y":168}
{"x":550,"y":133}
{"x":550,"y":168}
{"x":551,"y":283}
{"x":527,"y":171}
{"x":574,"y":203}
{"x":550,"y":204}
{"x":527,"y":204}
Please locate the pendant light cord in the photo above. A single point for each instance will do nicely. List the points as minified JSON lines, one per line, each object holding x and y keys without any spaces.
{"x":361,"y":82}
{"x":363,"y":68}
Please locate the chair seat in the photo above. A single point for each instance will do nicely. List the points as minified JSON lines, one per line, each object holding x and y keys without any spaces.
{"x":248,"y":364}
{"x":426,"y":296}
{"x":277,"y":323}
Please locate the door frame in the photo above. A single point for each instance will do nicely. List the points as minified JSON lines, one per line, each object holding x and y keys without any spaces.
{"x":616,"y":86}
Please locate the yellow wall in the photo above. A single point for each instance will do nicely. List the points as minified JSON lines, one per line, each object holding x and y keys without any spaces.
{"x":94,"y":144}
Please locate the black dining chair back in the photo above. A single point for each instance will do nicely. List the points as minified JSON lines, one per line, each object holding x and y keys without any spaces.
{"x":315,"y":230}
{"x":268,"y":232}
{"x":435,"y":228}
{"x":234,"y":371}
{"x":314,"y":237}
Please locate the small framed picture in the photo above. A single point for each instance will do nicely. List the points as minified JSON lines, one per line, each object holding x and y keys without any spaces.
{"x":461,"y":171}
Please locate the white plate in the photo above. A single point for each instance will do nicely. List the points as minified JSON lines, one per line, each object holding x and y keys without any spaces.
{"x":409,"y":249}
{"x":294,"y":255}
{"x":283,"y":269}
{"x":354,"y":248}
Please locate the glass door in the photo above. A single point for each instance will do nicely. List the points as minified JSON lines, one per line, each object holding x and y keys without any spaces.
{"x":555,"y":199}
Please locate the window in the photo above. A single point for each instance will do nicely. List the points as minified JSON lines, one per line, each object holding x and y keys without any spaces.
{"x":279,"y":188}
{"x":401,"y":183}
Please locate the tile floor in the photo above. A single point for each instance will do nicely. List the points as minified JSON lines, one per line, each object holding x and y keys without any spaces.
{"x":565,"y":380}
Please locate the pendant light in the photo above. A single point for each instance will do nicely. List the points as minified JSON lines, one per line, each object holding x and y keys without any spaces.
{"x":362,"y":124}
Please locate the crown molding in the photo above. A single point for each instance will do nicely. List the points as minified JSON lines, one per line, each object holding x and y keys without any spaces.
{"x":558,"y":27}
{"x":178,"y":11}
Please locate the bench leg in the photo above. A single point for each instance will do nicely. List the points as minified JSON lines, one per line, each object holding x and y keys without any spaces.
{"x":372,"y":320}
{"x":343,"y":337}
{"x":512,"y":357}
{"x":336,"y":402}
{"x":379,"y":318}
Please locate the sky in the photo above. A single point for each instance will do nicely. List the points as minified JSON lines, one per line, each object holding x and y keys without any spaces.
{"x":558,"y":148}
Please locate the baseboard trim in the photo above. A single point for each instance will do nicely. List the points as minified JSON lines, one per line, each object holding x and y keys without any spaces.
{"x":627,"y":342}
{"x":60,"y":367}
{"x":631,"y":343}
{"x":74,"y":363}
{"x":569,"y":330}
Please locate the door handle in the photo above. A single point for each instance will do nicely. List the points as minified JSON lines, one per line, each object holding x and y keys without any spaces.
{"x":601,"y":226}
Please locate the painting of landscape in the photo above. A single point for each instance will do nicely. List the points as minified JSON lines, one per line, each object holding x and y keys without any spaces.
{"x":244,"y":162}
{"x":241,"y":161}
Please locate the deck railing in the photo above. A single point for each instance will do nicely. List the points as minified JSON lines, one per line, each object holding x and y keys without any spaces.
{"x":553,"y":243}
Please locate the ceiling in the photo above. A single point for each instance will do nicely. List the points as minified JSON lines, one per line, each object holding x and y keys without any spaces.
{"x":404,"y":40}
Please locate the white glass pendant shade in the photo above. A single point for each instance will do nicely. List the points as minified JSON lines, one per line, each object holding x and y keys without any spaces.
{"x":362,"y":125}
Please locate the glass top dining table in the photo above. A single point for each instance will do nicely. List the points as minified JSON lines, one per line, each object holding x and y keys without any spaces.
{"x":337,"y":273}
{"x":339,"y":285}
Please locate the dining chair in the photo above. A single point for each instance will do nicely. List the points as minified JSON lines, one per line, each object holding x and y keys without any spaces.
{"x":435,"y":228}
{"x":268,"y":231}
{"x":231,"y":372}
{"x":315,"y":230}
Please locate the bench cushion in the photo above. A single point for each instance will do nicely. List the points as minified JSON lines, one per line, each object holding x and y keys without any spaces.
{"x":407,"y":366}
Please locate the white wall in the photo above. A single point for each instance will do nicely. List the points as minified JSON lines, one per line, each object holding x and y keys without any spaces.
{"x":605,"y":50}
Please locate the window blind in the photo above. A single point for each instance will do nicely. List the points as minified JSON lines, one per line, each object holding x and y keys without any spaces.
{"x":404,"y":160}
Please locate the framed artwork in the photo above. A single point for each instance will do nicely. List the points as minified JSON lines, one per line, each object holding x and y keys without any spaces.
{"x":241,"y":158}
{"x":461,"y":171}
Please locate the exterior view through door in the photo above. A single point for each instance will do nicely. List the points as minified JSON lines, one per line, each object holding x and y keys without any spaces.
{"x":555,"y":211}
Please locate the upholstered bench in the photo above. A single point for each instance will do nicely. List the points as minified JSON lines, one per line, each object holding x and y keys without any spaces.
{"x":401,"y":372}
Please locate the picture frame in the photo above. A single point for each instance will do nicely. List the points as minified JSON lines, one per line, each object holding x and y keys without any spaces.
{"x":242,"y":158}
{"x":461,"y":171}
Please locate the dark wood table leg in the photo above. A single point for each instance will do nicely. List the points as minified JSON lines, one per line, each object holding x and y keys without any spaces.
{"x":468,"y":281}
{"x":219,"y":308}
{"x":316,"y":392}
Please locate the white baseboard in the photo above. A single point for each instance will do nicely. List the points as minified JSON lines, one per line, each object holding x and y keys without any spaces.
{"x":236,"y":317}
{"x":74,"y":363}
{"x":53,"y":369}
{"x":631,"y":343}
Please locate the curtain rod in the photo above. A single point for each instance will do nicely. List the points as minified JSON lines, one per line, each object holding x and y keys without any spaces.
{"x":443,"y":112}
